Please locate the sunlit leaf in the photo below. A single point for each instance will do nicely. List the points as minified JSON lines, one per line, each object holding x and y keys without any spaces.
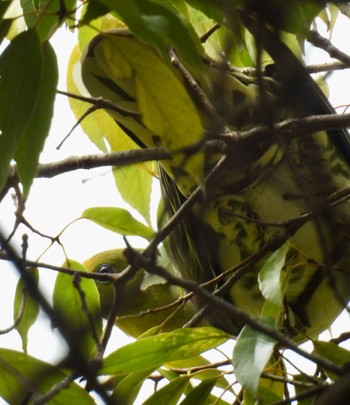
{"x":118,"y":220}
{"x":22,"y":376}
{"x":30,"y":308}
{"x":156,"y":350}
{"x":130,"y":74}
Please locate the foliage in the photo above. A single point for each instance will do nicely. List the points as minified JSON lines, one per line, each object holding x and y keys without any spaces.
{"x":207,"y":97}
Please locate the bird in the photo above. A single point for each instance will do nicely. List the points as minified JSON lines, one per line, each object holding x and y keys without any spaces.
{"x":141,"y":306}
{"x":279,"y":181}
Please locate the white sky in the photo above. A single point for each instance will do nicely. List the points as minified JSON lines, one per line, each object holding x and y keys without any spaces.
{"x":55,"y":202}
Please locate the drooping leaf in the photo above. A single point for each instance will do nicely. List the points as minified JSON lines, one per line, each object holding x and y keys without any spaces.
{"x":251,"y":353}
{"x":22,"y":375}
{"x":156,"y":350}
{"x":20,"y":75}
{"x":118,"y":220}
{"x":77,"y":302}
{"x":37,"y":129}
{"x":30,"y":309}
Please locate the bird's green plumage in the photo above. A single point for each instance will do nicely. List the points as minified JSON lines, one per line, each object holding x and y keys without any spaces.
{"x":268,"y":179}
{"x":142,"y":293}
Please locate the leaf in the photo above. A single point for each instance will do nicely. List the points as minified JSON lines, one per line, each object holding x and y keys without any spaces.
{"x":20,"y":374}
{"x":273,"y":282}
{"x":46,"y":15}
{"x":199,"y":395}
{"x":128,"y":388}
{"x":158,"y":24}
{"x":169,"y":394}
{"x":130,"y":74}
{"x":156,"y":350}
{"x":333,"y":352}
{"x":76,"y":310}
{"x":37,"y":129}
{"x":304,"y":378}
{"x":20,"y":75}
{"x":30,"y":311}
{"x":118,"y":220}
{"x":100,"y":127}
{"x":251,"y":353}
{"x":134,"y":182}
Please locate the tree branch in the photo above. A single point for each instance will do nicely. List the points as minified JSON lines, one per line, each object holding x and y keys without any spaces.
{"x":321,"y":42}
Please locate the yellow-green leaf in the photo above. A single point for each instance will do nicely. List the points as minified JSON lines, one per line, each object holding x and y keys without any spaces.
{"x":118,"y":220}
{"x":101,"y":128}
{"x":124,"y":70}
{"x":153,"y":351}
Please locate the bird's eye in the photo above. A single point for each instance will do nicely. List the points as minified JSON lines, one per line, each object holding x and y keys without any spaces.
{"x":105,"y":269}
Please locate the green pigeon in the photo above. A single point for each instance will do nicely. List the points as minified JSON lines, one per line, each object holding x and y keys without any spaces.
{"x":141,"y":306}
{"x":273,"y":184}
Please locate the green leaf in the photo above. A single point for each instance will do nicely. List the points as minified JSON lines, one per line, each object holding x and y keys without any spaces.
{"x":156,"y":350}
{"x":46,"y":15}
{"x":128,"y":388}
{"x":273,"y":282}
{"x":160,"y":23}
{"x":93,"y":10}
{"x":118,"y":220}
{"x":199,"y":395}
{"x":304,"y":378}
{"x":30,"y":310}
{"x":251,"y":353}
{"x":20,"y":75}
{"x":332,"y":352}
{"x":37,"y":129}
{"x":170,"y":394}
{"x":20,"y":374}
{"x":77,"y":302}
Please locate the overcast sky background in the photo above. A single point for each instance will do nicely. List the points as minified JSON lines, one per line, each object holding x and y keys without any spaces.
{"x":55,"y":202}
